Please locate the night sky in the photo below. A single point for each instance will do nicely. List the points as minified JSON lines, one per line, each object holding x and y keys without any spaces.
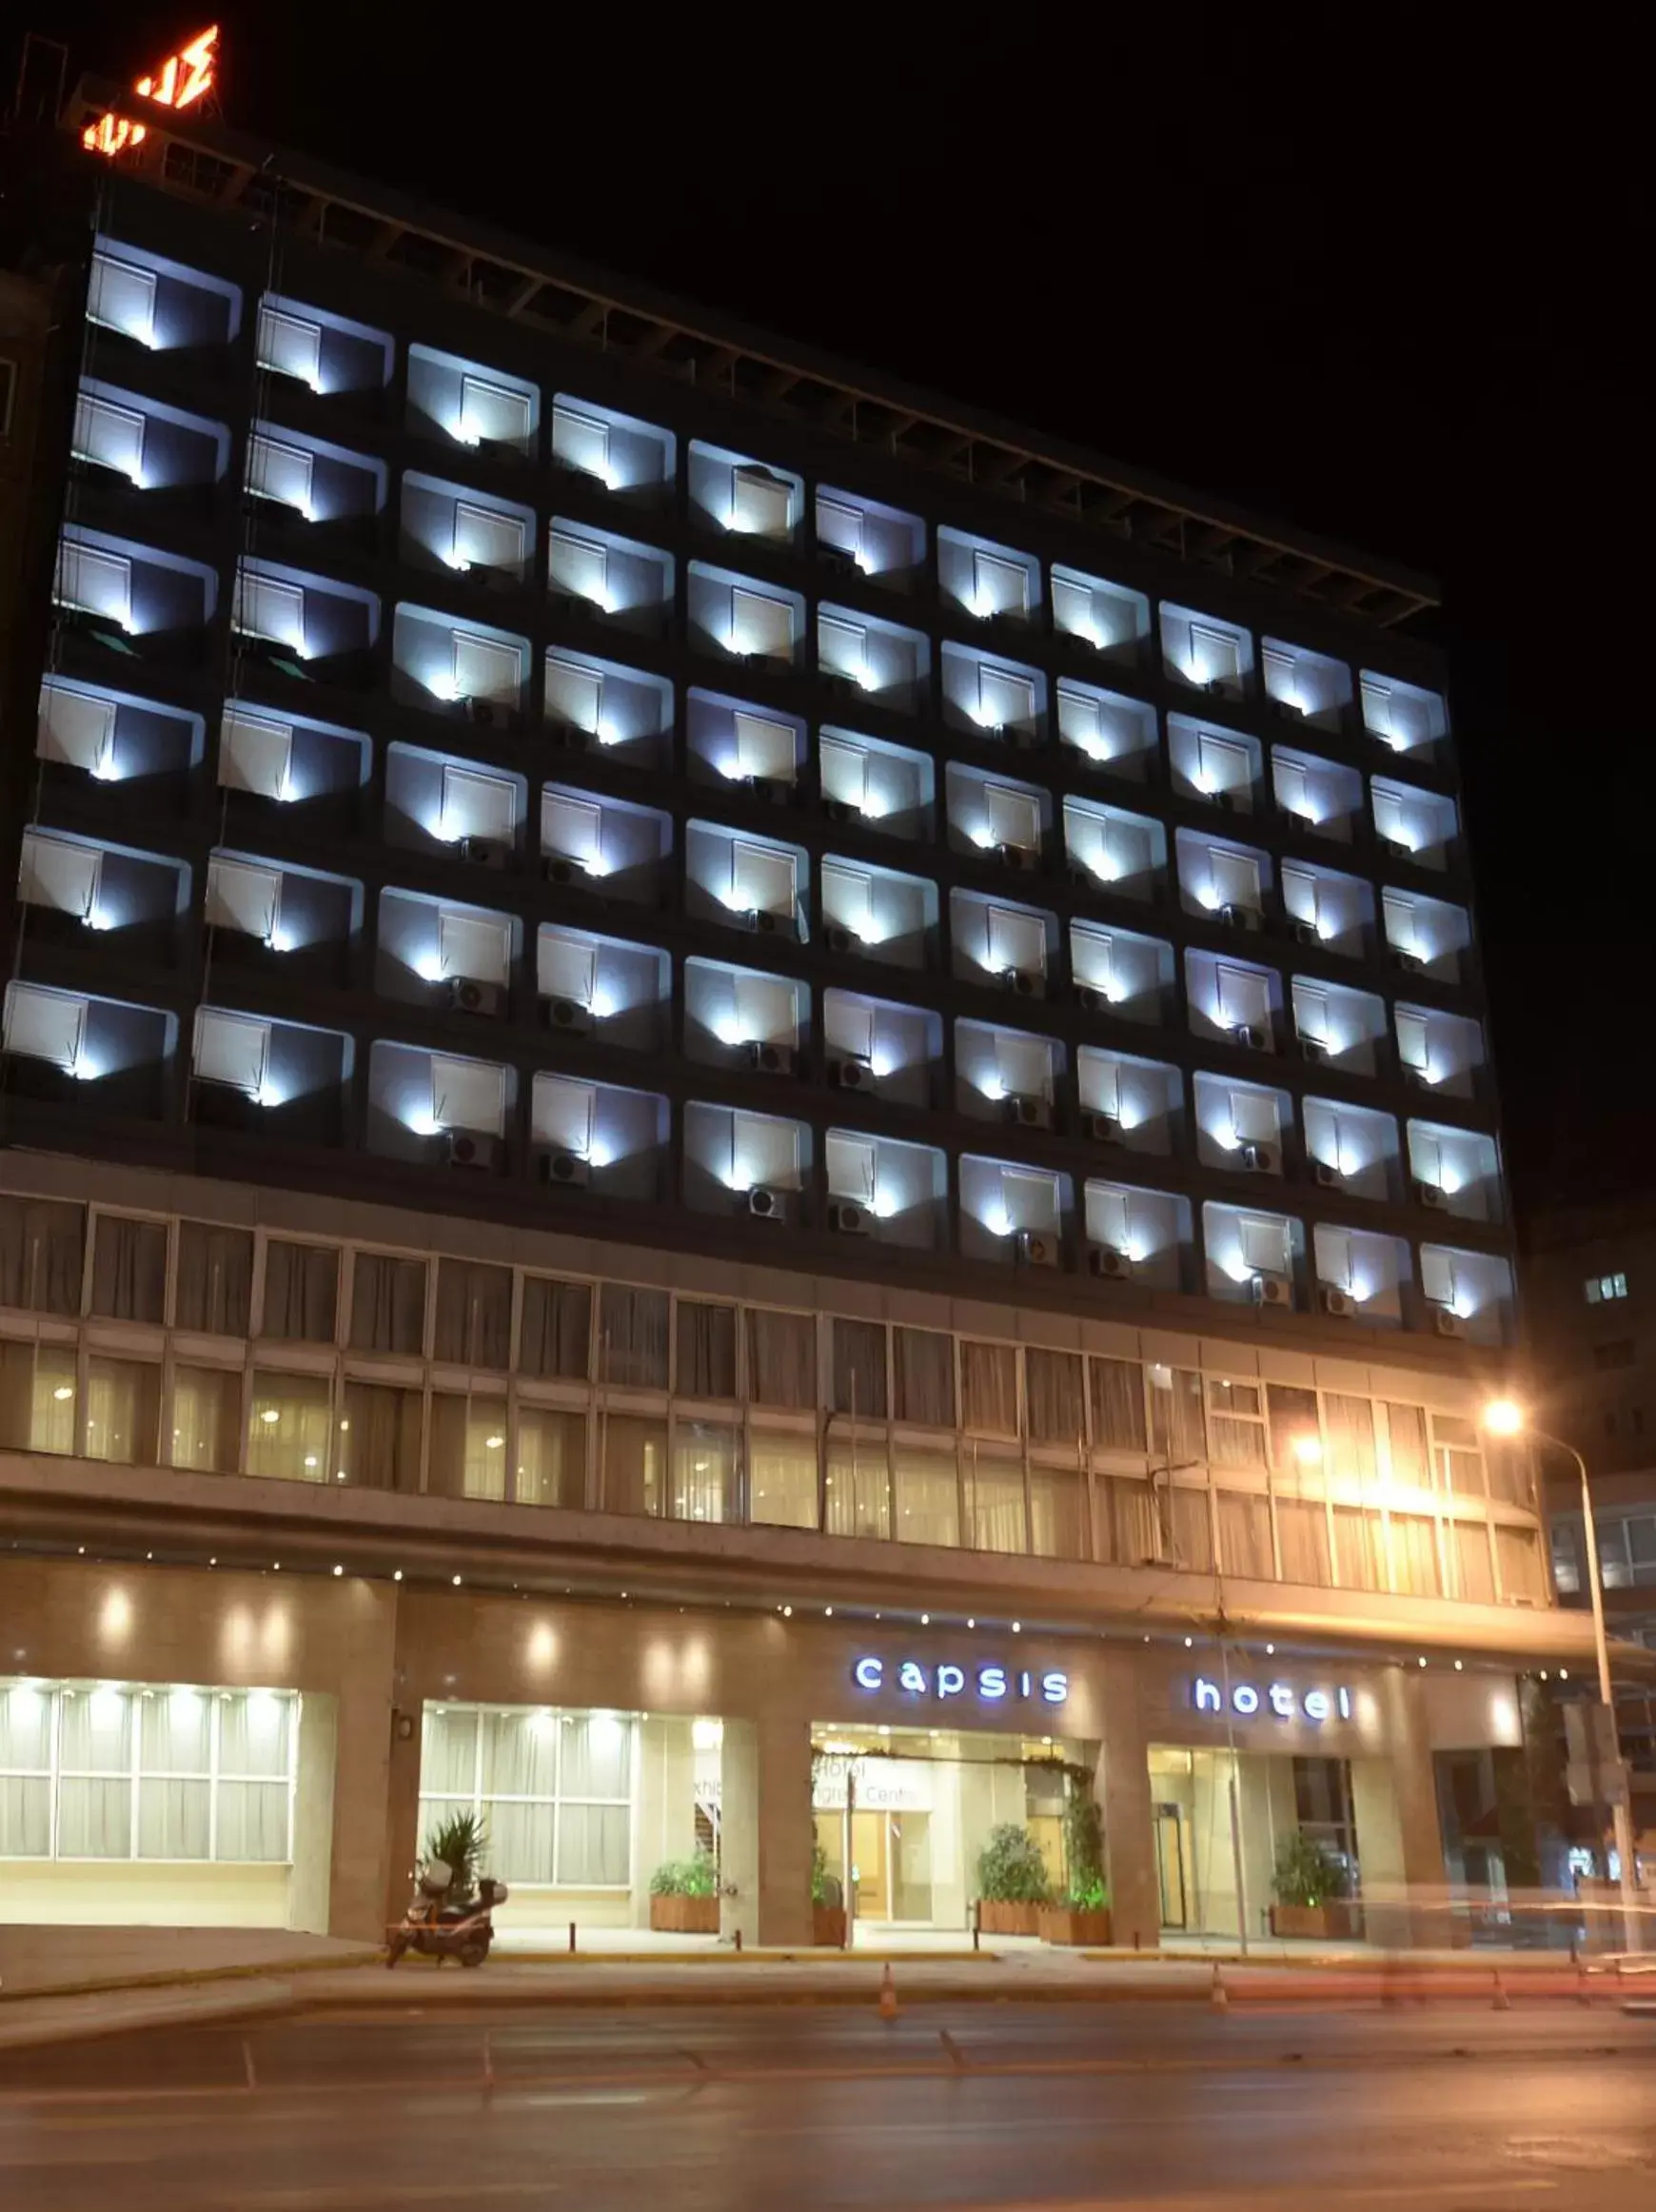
{"x":1328,"y":265}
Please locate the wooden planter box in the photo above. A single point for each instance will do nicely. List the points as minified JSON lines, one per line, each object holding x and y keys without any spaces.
{"x":997,"y":1916}
{"x":828,"y":1927}
{"x":684,"y":1915}
{"x":1319,"y":1923}
{"x":1072,"y":1923}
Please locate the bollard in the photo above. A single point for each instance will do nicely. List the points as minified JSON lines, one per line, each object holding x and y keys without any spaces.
{"x":888,"y":2003}
{"x":572,"y":1939}
{"x":977,"y":1923}
{"x":739,"y":1938}
{"x":1218,"y":1996}
{"x":488,"y":2076}
{"x":1500,"y":2000}
{"x":247,"y":2066}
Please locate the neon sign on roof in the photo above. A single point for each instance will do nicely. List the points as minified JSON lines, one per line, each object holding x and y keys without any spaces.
{"x":182,"y":80}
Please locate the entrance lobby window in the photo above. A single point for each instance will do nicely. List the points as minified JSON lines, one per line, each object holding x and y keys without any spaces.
{"x":555,"y":1788}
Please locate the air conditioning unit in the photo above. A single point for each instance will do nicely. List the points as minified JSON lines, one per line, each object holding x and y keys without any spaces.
{"x":1018,"y":856}
{"x":1395,"y":849}
{"x":1017,"y":982}
{"x":1035,"y":1250}
{"x":466,"y":996}
{"x":559,"y":868}
{"x":851,"y":1074}
{"x":1225,"y":800}
{"x":848,"y":1220}
{"x":1028,"y":1112}
{"x":566,"y":1167}
{"x":569,"y":1016}
{"x":1103,"y":1128}
{"x":567,"y":736}
{"x":1312,"y":1049}
{"x":836,"y":937}
{"x":1244,"y":1033}
{"x":1273,"y":1290}
{"x":1217,"y":685}
{"x":1305,"y":933}
{"x":1239,"y":916}
{"x":1417,"y":1078}
{"x":1327,"y":1176}
{"x":776,"y":789}
{"x":467,"y":1148}
{"x":1433,"y":1194}
{"x":836,"y":560}
{"x":770,"y":924}
{"x":483,"y":852}
{"x":838,"y":680}
{"x":484,"y":712}
{"x":1103,"y":1259}
{"x":1337,"y":1304}
{"x":1446,"y":1322}
{"x":1023,"y":735}
{"x":771,"y":1059}
{"x":764,"y":1204}
{"x":1262,"y":1159}
{"x":839,"y":810}
{"x":1092,"y":999}
{"x":1410,"y":963}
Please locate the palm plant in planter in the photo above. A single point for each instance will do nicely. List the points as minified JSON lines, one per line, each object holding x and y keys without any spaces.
{"x":827,"y":1900}
{"x":1082,"y":1915}
{"x":685,"y":1896}
{"x":1311,"y":1888}
{"x":459,"y":1842}
{"x":1013,"y":1881}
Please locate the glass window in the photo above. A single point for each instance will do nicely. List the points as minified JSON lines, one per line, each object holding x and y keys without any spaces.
{"x":377,"y":1445}
{"x":781,"y":1359}
{"x":1057,"y":1513}
{"x":1296,"y":1437}
{"x":26,"y":1783}
{"x":995,"y":1502}
{"x":37,"y":1397}
{"x":207,"y":1418}
{"x":632,"y":1336}
{"x":859,"y":1370}
{"x":301,"y":1292}
{"x":1358,"y":1547}
{"x":706,"y":1351}
{"x":1411,"y":1544}
{"x":1135,"y":1519}
{"x":923,"y":1372}
{"x":551,"y":1457}
{"x":928,"y":1494}
{"x":1236,"y":1423}
{"x":1192,"y":1529}
{"x":215,"y":1280}
{"x":1406,"y":1437}
{"x":1302,"y":1530}
{"x":1245,"y":1535}
{"x":989,"y":1389}
{"x":706,"y":1472}
{"x":290,"y":1426}
{"x":1472,"y":1566}
{"x":1518,"y":1553}
{"x":1349,"y":1427}
{"x":1057,"y":1407}
{"x":387,"y":1304}
{"x":474,"y":1314}
{"x":1175,"y":1415}
{"x":634,"y":1455}
{"x":1117,"y":1387}
{"x":122,"y":1409}
{"x":557,"y":1329}
{"x":857,"y":1491}
{"x":42,"y":1241}
{"x":1566,"y":1559}
{"x":129,"y":1268}
{"x":469,"y":1447}
{"x":782,"y":1478}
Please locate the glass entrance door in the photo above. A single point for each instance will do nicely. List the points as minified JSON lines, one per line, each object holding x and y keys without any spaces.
{"x":1169,"y":1866}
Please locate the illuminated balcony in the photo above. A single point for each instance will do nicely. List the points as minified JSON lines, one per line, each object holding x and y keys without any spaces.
{"x":746,"y":882}
{"x":1227,"y":883}
{"x":446,"y":954}
{"x":602,"y":989}
{"x":325,"y":353}
{"x":858,"y":657}
{"x":751,"y":1167}
{"x":268,"y":758}
{"x":159,"y":305}
{"x":454,"y":665}
{"x":1233,"y":1002}
{"x":880,"y":785}
{"x":1241,"y":1126}
{"x":994,"y":698}
{"x":612,"y":580}
{"x":604,"y":846}
{"x":1003,"y":946}
{"x":470,"y":533}
{"x":124,"y":442}
{"x":1419,"y":826}
{"x":859,"y":536}
{"x":1009,"y":824}
{"x":1464,"y":1294}
{"x":734,"y":492}
{"x":878,"y":913}
{"x":753,"y":750}
{"x":1109,"y":730}
{"x":75,"y":1049}
{"x":439,"y":1108}
{"x":1362,"y":1275}
{"x":636,"y":460}
{"x":1111,"y":850}
{"x":884,"y":1191}
{"x":1427,"y":936}
{"x":1306,"y":686}
{"x":1135,"y":1104}
{"x":595,"y":705}
{"x":1455,"y":1171}
{"x":744,"y":1020}
{"x":113,"y":737}
{"x":1439,"y":1052}
{"x":1325,"y":909}
{"x":1007,"y":1075}
{"x":1254,"y":1257}
{"x":1318,"y":796}
{"x":86,"y":894}
{"x":1401,"y":715}
{"x":1354,"y":1149}
{"x":269,"y":1080}
{"x":989,"y":582}
{"x":1219,"y":768}
{"x":134,"y":602}
{"x":874,"y":1047}
{"x":1206,"y":652}
{"x":1013,"y":1215}
{"x":1119,"y":973}
{"x":600,"y":1138}
{"x":441,"y":800}
{"x":471,"y":404}
{"x":1137,"y":1237}
{"x":274,"y":918}
{"x":308,"y":628}
{"x":1099,"y":617}
{"x":1338,"y":1027}
{"x":744,"y":619}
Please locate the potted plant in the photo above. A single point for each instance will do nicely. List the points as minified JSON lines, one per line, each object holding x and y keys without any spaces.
{"x":1310,"y":1889}
{"x":827,"y":1902}
{"x":459,"y":1842}
{"x":1012,"y":1882}
{"x":1082,"y":1914}
{"x":685,"y":1896}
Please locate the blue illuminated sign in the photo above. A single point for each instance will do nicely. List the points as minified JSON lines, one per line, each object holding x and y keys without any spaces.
{"x":994,"y":1685}
{"x":1284,"y":1701}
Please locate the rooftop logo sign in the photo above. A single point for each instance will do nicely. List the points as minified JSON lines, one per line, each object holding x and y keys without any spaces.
{"x":182,"y":80}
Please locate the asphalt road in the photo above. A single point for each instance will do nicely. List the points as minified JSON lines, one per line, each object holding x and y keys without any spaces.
{"x":1161,"y":2108}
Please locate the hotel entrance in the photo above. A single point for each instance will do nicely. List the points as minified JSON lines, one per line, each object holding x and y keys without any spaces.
{"x":901,"y":1815}
{"x":1289,"y":1813}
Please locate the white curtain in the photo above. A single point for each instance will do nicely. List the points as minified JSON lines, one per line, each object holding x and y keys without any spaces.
{"x":783,"y":1479}
{"x":928,"y":1495}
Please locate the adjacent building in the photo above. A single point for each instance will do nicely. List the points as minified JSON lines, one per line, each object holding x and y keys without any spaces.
{"x":737,"y":1110}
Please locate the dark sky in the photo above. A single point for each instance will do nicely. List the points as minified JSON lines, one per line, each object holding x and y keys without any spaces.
{"x":1378,"y":277}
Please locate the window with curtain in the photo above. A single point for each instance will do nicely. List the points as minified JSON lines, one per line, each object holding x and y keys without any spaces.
{"x":1117,"y":1387}
{"x":1136,"y":1515}
{"x":1405,"y":1437}
{"x":859,"y":1378}
{"x":206,"y":1419}
{"x":1057,"y":1513}
{"x":175,"y":1775}
{"x":1348,"y":1436}
{"x":926,"y":1491}
{"x":474,"y":1314}
{"x":633,"y":1337}
{"x":1293,"y":1420}
{"x":634,"y":1455}
{"x":1175,"y":1415}
{"x":706,"y":1351}
{"x":551,"y":1457}
{"x":555,"y":1789}
{"x":1192,"y":1530}
{"x":1358,"y":1547}
{"x":1054,"y":1387}
{"x":1518,"y":1555}
{"x":94,"y":1787}
{"x":857,"y":1487}
{"x":37,"y":1397}
{"x":706,"y":1472}
{"x":301,"y":1292}
{"x":129,"y":1268}
{"x":377,"y":1443}
{"x":469,"y":1447}
{"x":42,"y":1244}
{"x":387,"y":1303}
{"x":1474,"y":1569}
{"x":781,"y":1359}
{"x":289,"y":1428}
{"x":995,"y":1503}
{"x":1508,"y":1467}
{"x":781,"y":1479}
{"x":1411,"y":1547}
{"x":1245,"y":1535}
{"x":989,"y":1389}
{"x":1236,"y":1423}
{"x":26,"y":1778}
{"x":215,"y":1280}
{"x":1302,"y":1530}
{"x":556,"y":1332}
{"x":923,"y":1377}
{"x":120,"y":1410}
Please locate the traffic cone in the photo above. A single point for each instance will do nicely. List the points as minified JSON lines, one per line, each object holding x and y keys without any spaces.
{"x":888,"y":2003}
{"x":1219,"y":1997}
{"x":1502,"y":2003}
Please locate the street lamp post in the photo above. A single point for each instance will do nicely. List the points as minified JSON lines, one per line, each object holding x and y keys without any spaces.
{"x":1505,"y":1419}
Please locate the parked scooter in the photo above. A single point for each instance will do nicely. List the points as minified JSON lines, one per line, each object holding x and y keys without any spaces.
{"x":440,"y":1925}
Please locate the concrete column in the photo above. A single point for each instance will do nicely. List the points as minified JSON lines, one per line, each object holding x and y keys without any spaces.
{"x":308,"y":1890}
{"x":1399,"y":1837}
{"x":766,"y":1831}
{"x":1124,"y":1799}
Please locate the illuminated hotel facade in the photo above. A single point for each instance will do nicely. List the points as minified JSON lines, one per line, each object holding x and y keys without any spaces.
{"x":737,"y":1113}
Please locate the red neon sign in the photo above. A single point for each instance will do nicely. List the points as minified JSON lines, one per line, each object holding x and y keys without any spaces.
{"x":182,"y":80}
